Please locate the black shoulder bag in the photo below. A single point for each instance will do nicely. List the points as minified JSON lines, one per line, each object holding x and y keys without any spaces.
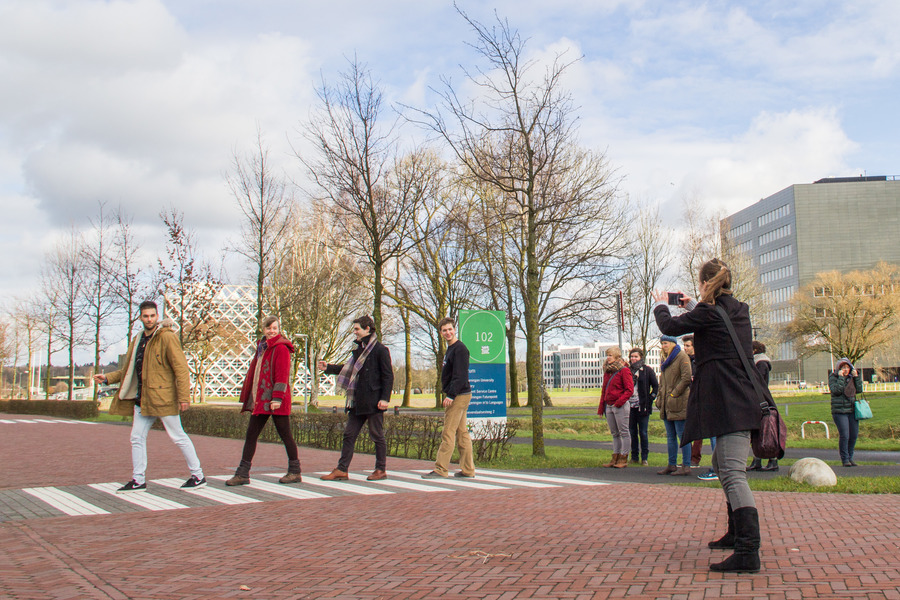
{"x":770,"y":440}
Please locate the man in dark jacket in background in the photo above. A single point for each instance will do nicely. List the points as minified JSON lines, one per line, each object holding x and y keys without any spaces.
{"x":368,"y":379}
{"x":457,"y":394}
{"x":646,"y":386}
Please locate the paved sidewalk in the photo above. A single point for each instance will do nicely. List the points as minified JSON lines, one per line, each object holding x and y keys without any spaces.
{"x":576,"y":542}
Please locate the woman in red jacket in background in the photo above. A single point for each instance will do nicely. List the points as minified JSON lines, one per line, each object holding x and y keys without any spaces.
{"x":618,"y":387}
{"x":267,"y":392}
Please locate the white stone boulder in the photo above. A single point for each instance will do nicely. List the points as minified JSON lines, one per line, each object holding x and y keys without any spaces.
{"x":814,"y":472}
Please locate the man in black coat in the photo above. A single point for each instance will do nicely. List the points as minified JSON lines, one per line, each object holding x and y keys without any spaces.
{"x":367,"y":378}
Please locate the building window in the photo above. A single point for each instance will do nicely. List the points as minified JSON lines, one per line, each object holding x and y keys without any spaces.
{"x":782,"y":315}
{"x":775,"y":234}
{"x":786,"y":351}
{"x":772,"y":215}
{"x":780,"y":295}
{"x":746,"y":247}
{"x":777,"y":274}
{"x":739,"y":230}
{"x":776,"y":254}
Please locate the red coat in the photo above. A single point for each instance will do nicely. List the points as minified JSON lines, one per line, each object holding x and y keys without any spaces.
{"x":274,"y":379}
{"x":618,"y":388}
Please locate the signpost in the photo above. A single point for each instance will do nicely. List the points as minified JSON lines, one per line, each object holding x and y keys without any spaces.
{"x":484,"y":334}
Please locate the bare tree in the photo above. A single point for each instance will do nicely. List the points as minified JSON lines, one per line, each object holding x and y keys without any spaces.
{"x":190,"y":289}
{"x":27,"y":317}
{"x":99,"y":290}
{"x":649,"y":259}
{"x":353,"y":166}
{"x":520,"y":138}
{"x":315,"y":286}
{"x":7,"y":349}
{"x":65,"y":274}
{"x":262,"y":197}
{"x":128,"y":276}
{"x":432,"y":281}
{"x":847,"y":314}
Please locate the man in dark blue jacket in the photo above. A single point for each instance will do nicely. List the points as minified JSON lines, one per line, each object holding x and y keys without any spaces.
{"x":457,"y":394}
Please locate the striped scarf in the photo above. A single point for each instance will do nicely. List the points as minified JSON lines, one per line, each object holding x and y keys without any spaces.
{"x":347,"y":378}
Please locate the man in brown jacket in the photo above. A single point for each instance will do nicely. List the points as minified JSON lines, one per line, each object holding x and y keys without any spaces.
{"x":155,"y":382}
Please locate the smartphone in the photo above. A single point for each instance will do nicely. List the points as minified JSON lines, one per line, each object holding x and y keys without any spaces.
{"x":675,"y":298}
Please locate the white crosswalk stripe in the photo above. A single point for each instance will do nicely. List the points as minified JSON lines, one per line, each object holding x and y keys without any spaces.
{"x":207,"y":492}
{"x":65,"y":502}
{"x":454,"y":481}
{"x":404,"y":485}
{"x":550,"y":478}
{"x":482,"y":476}
{"x":142,"y":499}
{"x":61,"y":421}
{"x":346,"y":486}
{"x":277,"y":488}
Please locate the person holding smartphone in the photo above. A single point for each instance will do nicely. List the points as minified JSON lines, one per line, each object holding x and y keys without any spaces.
{"x":844,"y":382}
{"x":267,"y":393}
{"x":723,"y":402}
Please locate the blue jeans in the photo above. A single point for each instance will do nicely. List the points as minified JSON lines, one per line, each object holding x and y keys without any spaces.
{"x":638,"y":427}
{"x":674,"y":433}
{"x":848,"y":430}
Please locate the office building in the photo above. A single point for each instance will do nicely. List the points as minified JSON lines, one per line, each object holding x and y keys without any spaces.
{"x":582,"y":366}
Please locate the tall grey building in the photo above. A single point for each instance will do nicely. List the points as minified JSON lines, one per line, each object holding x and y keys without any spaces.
{"x":843,"y":224}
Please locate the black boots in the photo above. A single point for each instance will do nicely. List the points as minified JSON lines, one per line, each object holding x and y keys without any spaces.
{"x":727,"y":540}
{"x":746,"y":544}
{"x":756,"y":465}
{"x":772,"y":465}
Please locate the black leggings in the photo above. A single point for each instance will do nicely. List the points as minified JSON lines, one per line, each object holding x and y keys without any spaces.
{"x":282,"y":426}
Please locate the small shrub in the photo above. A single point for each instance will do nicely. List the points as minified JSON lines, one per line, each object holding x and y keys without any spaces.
{"x":74,"y":409}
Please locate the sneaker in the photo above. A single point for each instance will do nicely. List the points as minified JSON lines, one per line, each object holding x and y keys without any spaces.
{"x":193,"y":483}
{"x":708,"y":476}
{"x":644,"y":463}
{"x":132,"y":486}
{"x":432,"y":475}
{"x":461,"y":474}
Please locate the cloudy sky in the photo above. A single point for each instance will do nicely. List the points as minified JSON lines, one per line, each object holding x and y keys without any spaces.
{"x":142,"y":103}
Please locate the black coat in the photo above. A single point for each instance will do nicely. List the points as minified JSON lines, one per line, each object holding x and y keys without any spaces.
{"x":647,"y":386}
{"x":375,"y":380}
{"x":722,"y":397}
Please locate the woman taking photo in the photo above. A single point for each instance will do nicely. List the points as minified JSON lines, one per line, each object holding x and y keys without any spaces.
{"x":618,"y":387}
{"x":267,"y":393}
{"x":844,"y":383}
{"x":672,"y":402}
{"x":722,"y":403}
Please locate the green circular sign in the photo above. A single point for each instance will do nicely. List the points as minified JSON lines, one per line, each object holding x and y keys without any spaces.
{"x":484,"y":334}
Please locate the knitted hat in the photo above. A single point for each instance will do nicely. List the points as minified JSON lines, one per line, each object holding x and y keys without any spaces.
{"x":668,"y":338}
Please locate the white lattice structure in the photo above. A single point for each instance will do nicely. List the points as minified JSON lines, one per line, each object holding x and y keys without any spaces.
{"x":236,"y":304}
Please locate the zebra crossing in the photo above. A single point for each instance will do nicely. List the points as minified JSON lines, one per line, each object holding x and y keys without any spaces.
{"x":167,"y":494}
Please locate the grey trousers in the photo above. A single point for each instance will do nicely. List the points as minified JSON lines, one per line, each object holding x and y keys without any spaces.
{"x":617,"y":418}
{"x":729,"y":461}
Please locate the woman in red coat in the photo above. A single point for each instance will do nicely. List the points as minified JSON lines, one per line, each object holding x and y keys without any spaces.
{"x":618,"y":387}
{"x":267,"y":392}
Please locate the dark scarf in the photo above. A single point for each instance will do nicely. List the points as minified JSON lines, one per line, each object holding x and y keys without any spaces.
{"x":635,"y":367}
{"x":850,"y":388}
{"x":671,"y":357}
{"x":613,"y":367}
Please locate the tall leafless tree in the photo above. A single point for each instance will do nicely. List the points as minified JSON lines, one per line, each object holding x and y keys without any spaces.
{"x":99,"y":283}
{"x":65,"y":273}
{"x":519,"y":136}
{"x":27,"y":318}
{"x":129,"y":278}
{"x":354,"y":161}
{"x":262,"y":196}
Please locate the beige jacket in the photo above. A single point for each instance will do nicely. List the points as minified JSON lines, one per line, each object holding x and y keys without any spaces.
{"x":165,"y":377}
{"x":674,"y":389}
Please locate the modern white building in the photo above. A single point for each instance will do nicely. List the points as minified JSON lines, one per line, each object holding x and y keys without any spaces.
{"x":582,"y":366}
{"x":236,"y":304}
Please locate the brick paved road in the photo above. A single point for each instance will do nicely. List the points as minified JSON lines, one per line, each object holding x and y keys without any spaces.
{"x":576,"y":542}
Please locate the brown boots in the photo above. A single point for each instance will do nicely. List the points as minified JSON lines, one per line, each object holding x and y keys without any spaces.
{"x":618,"y":461}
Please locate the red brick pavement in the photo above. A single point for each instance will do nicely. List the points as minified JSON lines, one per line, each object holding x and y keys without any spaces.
{"x":632,"y":540}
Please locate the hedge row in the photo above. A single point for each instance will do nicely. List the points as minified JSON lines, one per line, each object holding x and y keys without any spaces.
{"x":406,"y":436}
{"x":74,"y":409}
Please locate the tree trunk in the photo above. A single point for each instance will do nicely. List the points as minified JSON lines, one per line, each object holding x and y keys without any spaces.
{"x":376,"y":303}
{"x":49,"y":355}
{"x":533,"y":335}
{"x":407,"y":393}
{"x":97,"y":358}
{"x":513,"y":367}
{"x":71,"y":359}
